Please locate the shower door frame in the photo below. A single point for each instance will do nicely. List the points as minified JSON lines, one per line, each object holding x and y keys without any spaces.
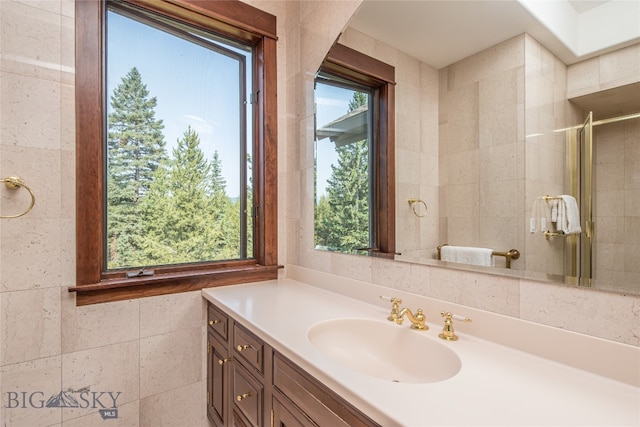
{"x":579,"y":248}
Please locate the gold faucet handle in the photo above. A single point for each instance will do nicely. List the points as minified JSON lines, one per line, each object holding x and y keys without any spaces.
{"x":392,"y":300}
{"x":450,"y":316}
{"x":448,"y":332}
{"x":395,"y":308}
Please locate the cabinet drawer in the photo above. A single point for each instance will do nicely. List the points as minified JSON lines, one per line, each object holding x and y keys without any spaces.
{"x":248,"y":348}
{"x":248,"y":395}
{"x":317,"y":401}
{"x":286,"y":414}
{"x":218,"y":322}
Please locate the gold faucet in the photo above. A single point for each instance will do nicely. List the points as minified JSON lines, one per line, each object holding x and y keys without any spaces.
{"x":418,"y":321}
{"x":447,"y":331}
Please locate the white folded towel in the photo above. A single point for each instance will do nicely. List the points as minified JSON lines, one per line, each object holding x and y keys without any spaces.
{"x":568,"y":215}
{"x":467,"y":255}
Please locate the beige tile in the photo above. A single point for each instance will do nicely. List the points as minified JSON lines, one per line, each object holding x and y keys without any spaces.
{"x":395,"y":275}
{"x":67,"y":8}
{"x":30,"y":254}
{"x":462,"y":231}
{"x":30,"y":111}
{"x":608,"y":315}
{"x":51,"y":6}
{"x":30,"y":39}
{"x":609,"y":177}
{"x":419,"y":281}
{"x":100,"y":376}
{"x":30,"y":325}
{"x":620,"y":67}
{"x":411,"y":166}
{"x":610,"y":203}
{"x":38,"y":380}
{"x":611,"y":229}
{"x":188,"y":408}
{"x":67,"y":185}
{"x":498,"y":163}
{"x":463,"y":167}
{"x":68,"y":119}
{"x":632,"y":175}
{"x":583,"y":77}
{"x":463,"y":201}
{"x":632,"y":231}
{"x":128,"y":415}
{"x":67,"y":50}
{"x":486,"y":292}
{"x":170,"y":313}
{"x":351,"y":266}
{"x":98,"y":325}
{"x":460,"y":106}
{"x":68,"y":252}
{"x":170,"y":361}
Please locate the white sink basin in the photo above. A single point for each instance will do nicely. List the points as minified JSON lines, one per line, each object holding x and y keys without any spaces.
{"x":384,"y":350}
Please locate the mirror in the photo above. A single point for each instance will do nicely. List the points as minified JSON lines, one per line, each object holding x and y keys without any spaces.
{"x":490,"y":121}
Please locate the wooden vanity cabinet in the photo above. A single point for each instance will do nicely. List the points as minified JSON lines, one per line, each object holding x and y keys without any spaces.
{"x":250,"y":384}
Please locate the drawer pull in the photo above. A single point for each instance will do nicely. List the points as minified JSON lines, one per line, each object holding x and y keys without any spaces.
{"x":243,"y":347}
{"x":213,"y":322}
{"x":223,"y":361}
{"x":240,"y":397}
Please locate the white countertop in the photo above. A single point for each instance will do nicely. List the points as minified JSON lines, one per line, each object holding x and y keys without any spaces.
{"x":496,"y":385}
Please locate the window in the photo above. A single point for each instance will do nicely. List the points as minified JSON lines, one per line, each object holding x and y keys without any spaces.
{"x":354,"y":156}
{"x":172,"y":189}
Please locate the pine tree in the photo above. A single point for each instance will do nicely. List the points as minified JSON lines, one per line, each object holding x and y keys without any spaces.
{"x":135,"y":150}
{"x":225,"y":214}
{"x":348,"y":197}
{"x":184,"y":229}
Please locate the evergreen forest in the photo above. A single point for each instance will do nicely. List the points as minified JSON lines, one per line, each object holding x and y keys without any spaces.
{"x":164,"y":208}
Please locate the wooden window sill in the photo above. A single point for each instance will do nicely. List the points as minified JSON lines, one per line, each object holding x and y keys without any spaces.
{"x":161,"y":284}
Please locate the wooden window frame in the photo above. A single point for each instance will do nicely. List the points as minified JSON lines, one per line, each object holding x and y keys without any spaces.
{"x":363,"y":69}
{"x":232,"y":18}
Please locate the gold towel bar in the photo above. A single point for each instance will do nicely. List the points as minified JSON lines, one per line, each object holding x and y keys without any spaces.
{"x":509,"y":255}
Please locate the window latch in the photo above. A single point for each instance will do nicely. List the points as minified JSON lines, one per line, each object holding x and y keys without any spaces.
{"x":253,"y":98}
{"x":139,"y":273}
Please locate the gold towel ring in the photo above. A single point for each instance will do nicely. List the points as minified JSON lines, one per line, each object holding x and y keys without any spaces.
{"x":13,"y":183}
{"x":413,"y":203}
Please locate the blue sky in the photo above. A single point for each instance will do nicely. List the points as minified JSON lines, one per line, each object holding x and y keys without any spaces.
{"x":189,"y":92}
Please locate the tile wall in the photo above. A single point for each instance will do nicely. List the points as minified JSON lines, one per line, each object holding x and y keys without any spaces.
{"x":481,"y":136}
{"x":617,"y":203}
